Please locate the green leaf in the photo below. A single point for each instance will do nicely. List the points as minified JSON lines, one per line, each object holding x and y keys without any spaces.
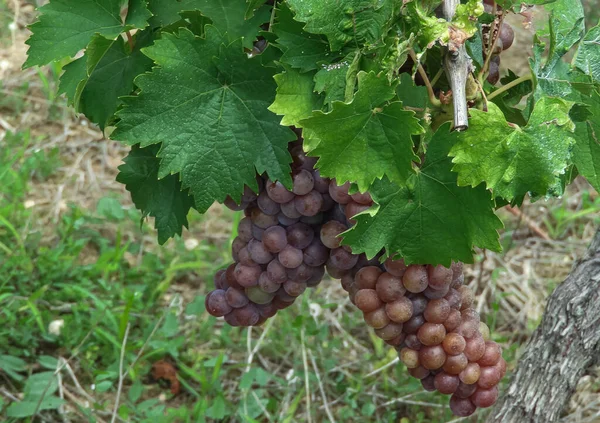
{"x":73,"y":74}
{"x":138,"y":14}
{"x":111,"y":71}
{"x":410,"y":94}
{"x":513,"y":161}
{"x":228,"y":16}
{"x":331,"y":80}
{"x":26,"y":408}
{"x":367,"y":138}
{"x":167,"y":12}
{"x":295,"y":99}
{"x":588,"y":54}
{"x":65,"y":27}
{"x":429,"y":219}
{"x":12,"y":366}
{"x":162,"y":199}
{"x":300,"y":49}
{"x":207,"y":105}
{"x":343,"y":21}
{"x":586,"y":153}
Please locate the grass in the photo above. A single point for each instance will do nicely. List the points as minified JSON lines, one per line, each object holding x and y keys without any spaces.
{"x":93,"y":311}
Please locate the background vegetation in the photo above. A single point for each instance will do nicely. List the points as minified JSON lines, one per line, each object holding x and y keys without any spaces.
{"x":98,"y":323}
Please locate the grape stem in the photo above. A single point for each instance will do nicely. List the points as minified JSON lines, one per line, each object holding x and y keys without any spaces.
{"x":508,"y":86}
{"x":432,"y":98}
{"x":129,"y":39}
{"x":458,"y":67}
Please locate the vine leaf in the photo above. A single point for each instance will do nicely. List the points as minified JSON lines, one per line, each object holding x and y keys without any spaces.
{"x":342,"y":21}
{"x":207,"y":104}
{"x":365,"y":139}
{"x":588,"y":54}
{"x":110,"y":68}
{"x":168,"y":12}
{"x":300,"y":49}
{"x":295,"y":99}
{"x":428,"y":219}
{"x":65,"y":27}
{"x":513,"y":161}
{"x":162,"y":199}
{"x":586,"y":153}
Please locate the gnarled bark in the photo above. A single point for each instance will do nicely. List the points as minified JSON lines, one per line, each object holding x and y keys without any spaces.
{"x":562,"y":348}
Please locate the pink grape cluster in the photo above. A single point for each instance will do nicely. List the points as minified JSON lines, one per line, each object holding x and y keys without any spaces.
{"x":427,"y":314}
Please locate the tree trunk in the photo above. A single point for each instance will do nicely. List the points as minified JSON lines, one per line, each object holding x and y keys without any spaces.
{"x":562,"y":348}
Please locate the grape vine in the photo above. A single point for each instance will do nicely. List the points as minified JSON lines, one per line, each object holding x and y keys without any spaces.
{"x":372,"y":141}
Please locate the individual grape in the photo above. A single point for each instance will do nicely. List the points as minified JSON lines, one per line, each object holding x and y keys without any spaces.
{"x":335,"y":272}
{"x":283,"y":295}
{"x":328,"y":203}
{"x":485,"y":331}
{"x":440,"y":277}
{"x":455,"y":364}
{"x":431,"y":334}
{"x":453,"y":320}
{"x":274,"y":239}
{"x":294,"y":288}
{"x":267,"y":284}
{"x":395,"y":267}
{"x":244,"y":229}
{"x":347,"y":282}
{"x":289,"y":209}
{"x":258,"y":296}
{"x":475,"y":348}
{"x":446,"y":383}
{"x":454,"y":344}
{"x":501,"y":366}
{"x":303,"y":182}
{"x":367,"y":277}
{"x":279,"y":193}
{"x":419,"y":303}
{"x":489,"y":377}
{"x":435,"y":294}
{"x":267,"y":205}
{"x":413,"y":342}
{"x":414,"y":323}
{"x":342,"y":259}
{"x":492,"y":354}
{"x":267,"y":310}
{"x":236,"y":246}
{"x":437,"y":311}
{"x":377,"y":319}
{"x":300,"y":235}
{"x":461,"y":407}
{"x":470,"y":374}
{"x":258,"y":252}
{"x":309,"y":204}
{"x":494,"y":69}
{"x":276,"y":271}
{"x":301,"y":273}
{"x":364,"y":198}
{"x":286,"y":221}
{"x":247,"y":315}
{"x":397,"y":341}
{"x":410,"y":358}
{"x":262,"y":220}
{"x":316,"y":254}
{"x":457,"y":274}
{"x":219,"y":278}
{"x":301,"y":160}
{"x":247,"y":276}
{"x":320,"y":184}
{"x":290,"y":257}
{"x":399,"y":311}
{"x":257,"y":233}
{"x":231,"y":320}
{"x":389,"y":331}
{"x":329,"y":233}
{"x":339,"y":193}
{"x":352,"y":209}
{"x":236,"y":298}
{"x":432,"y":357}
{"x":419,"y":372}
{"x":243,"y":256}
{"x":317,"y":276}
{"x":428,"y":383}
{"x":468,"y":328}
{"x":230,"y":277}
{"x":389,"y":287}
{"x":231,"y":204}
{"x":470,"y":315}
{"x":315,"y":220}
{"x":506,"y":35}
{"x":367,"y":300}
{"x":216,"y":303}
{"x":484,"y":398}
{"x":415,"y":279}
{"x":453,"y":297}
{"x":464,"y":390}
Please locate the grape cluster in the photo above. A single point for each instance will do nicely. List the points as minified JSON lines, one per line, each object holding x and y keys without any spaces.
{"x":504,"y":36}
{"x":426,"y":313}
{"x":284,"y":243}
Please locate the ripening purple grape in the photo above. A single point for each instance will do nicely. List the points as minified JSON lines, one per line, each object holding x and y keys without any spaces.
{"x":390,"y":287}
{"x":419,"y":372}
{"x":294,"y":288}
{"x":435,"y":294}
{"x":389,"y":331}
{"x":231,"y":320}
{"x":315,"y":220}
{"x":230,"y":276}
{"x":342,"y":259}
{"x":258,"y":252}
{"x":467,"y":297}
{"x":267,"y":284}
{"x":399,"y":311}
{"x":276,"y":271}
{"x":328,"y":203}
{"x":431,"y":334}
{"x":274,"y":239}
{"x":286,"y":221}
{"x":279,"y":193}
{"x":219,"y":278}
{"x":267,"y":205}
{"x":364,"y":198}
{"x":455,"y":344}
{"x":262,"y":220}
{"x":489,"y":377}
{"x":243,"y":256}
{"x":437,"y":311}
{"x":339,"y":193}
{"x":413,"y":342}
{"x":216,"y":303}
{"x":453,"y":298}
{"x":267,"y":310}
{"x":506,"y":35}
{"x":236,"y":298}
{"x":461,"y":407}
{"x":231,"y":204}
{"x":330,"y":232}
{"x":440,"y":277}
{"x":377,"y":319}
{"x":419,"y":303}
{"x":494,"y":69}
{"x":492,"y":354}
{"x":413,"y":324}
{"x":428,"y":383}
{"x":367,"y":300}
{"x":247,"y":276}
{"x":317,"y":275}
{"x":455,"y":364}
{"x":415,"y":278}
{"x":352,"y":209}
{"x":410,"y":358}
{"x":247,"y":315}
{"x":484,"y":398}
{"x":300,"y":235}
{"x":236,"y":246}
{"x":320,"y":184}
{"x":464,"y":390}
{"x":303,"y":182}
{"x":301,"y":273}
{"x":475,"y":348}
{"x":334,"y":272}
{"x":309,"y":204}
{"x":289,"y":209}
{"x":257,"y":232}
{"x":432,"y":357}
{"x":290,"y":257}
{"x":316,"y":254}
{"x":453,"y":320}
{"x":446,"y":383}
{"x":245,"y":229}
{"x":470,"y":374}
{"x":395,"y":267}
{"x":258,"y":296}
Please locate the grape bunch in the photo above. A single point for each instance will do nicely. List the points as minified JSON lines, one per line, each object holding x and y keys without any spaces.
{"x":284,"y":243}
{"x":504,"y":37}
{"x":426,"y":313}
